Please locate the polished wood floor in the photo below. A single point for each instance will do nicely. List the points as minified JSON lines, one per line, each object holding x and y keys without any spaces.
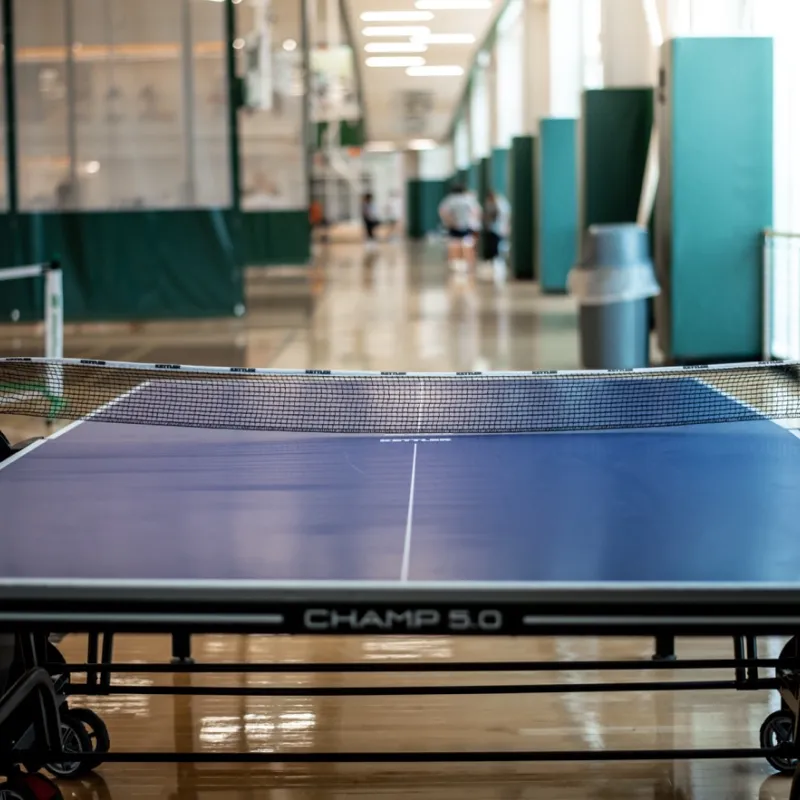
{"x":399,"y":309}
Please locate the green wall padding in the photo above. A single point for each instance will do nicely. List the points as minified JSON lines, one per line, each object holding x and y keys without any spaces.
{"x":472,"y":176}
{"x":615,"y":133}
{"x":715,"y":196}
{"x":131,"y":265}
{"x":423,"y":199}
{"x":463,"y":177}
{"x":484,"y":184}
{"x":521,"y":195}
{"x":276,"y":237}
{"x":556,"y":202}
{"x":499,"y":175}
{"x":351,"y":133}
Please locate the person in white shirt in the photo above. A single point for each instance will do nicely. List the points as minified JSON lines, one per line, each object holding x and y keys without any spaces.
{"x":460,"y":213}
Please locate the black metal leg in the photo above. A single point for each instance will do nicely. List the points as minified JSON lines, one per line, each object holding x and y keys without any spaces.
{"x":794,"y":793}
{"x":92,"y":656}
{"x":182,"y":648}
{"x":665,"y":647}
{"x":107,"y":657}
{"x":738,"y":653}
{"x":752,"y":654}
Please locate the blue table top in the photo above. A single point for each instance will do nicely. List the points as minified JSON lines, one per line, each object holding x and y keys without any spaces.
{"x":715,"y":504}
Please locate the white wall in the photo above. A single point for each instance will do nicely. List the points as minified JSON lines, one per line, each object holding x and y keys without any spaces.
{"x":387,"y":173}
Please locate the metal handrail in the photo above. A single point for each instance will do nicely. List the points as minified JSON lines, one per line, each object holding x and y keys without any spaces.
{"x":772,"y":234}
{"x":791,"y":245}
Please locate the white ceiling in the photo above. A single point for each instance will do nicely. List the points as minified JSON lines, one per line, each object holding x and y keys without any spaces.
{"x":385,"y":88}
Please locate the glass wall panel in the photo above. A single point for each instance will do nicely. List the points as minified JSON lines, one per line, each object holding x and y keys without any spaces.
{"x":3,"y":127}
{"x":44,"y":167}
{"x":273,"y":149}
{"x":121,"y":104}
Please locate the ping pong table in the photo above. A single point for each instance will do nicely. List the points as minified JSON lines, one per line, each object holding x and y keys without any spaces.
{"x":637,"y":502}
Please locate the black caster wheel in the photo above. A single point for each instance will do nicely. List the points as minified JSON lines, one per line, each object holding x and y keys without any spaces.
{"x":778,"y":729}
{"x":29,"y":786}
{"x":74,"y":739}
{"x":96,"y":730}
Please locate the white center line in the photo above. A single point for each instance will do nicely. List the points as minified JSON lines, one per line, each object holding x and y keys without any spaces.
{"x":409,"y":519}
{"x":404,"y":569}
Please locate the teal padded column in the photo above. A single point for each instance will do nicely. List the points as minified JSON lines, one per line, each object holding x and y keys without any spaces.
{"x":484,"y":168}
{"x":463,"y":177}
{"x":715,"y":196}
{"x":472,"y":176}
{"x":556,"y":202}
{"x":423,"y":198}
{"x":499,"y":170}
{"x":521,"y":195}
{"x":614,"y":133}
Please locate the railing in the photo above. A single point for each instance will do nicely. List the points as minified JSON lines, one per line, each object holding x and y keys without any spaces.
{"x":781,"y":295}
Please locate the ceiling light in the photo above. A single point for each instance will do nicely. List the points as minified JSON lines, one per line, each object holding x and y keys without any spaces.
{"x":442,"y":71}
{"x":396,"y":16}
{"x":395,"y":47}
{"x":290,"y":45}
{"x":453,"y":5}
{"x":238,"y":44}
{"x":395,"y":61}
{"x":446,"y":38}
{"x":422,"y":144}
{"x":396,"y":30}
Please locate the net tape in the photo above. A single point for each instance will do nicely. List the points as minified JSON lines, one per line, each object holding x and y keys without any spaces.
{"x":396,"y":403}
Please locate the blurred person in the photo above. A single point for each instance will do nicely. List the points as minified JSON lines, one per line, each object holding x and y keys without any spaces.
{"x":369,"y":214}
{"x":497,"y":227}
{"x":460,"y":213}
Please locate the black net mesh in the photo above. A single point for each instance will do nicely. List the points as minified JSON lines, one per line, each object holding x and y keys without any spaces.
{"x":396,"y":403}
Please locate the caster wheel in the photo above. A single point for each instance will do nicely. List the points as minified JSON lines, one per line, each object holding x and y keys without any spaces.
{"x":74,"y":739}
{"x":30,"y":786}
{"x":778,"y":729}
{"x":96,"y":730}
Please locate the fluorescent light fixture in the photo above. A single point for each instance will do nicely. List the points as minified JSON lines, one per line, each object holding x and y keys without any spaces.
{"x":395,"y":61}
{"x":437,"y":71}
{"x":289,"y":45}
{"x":422,"y":144}
{"x":446,"y":38}
{"x":396,"y":16}
{"x":453,"y":5}
{"x":395,"y":47}
{"x":405,"y":31}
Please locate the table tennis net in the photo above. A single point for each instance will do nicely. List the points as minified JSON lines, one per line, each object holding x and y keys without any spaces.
{"x":396,"y":403}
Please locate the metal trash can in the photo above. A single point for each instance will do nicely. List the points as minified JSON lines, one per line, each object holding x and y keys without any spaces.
{"x":613,"y":284}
